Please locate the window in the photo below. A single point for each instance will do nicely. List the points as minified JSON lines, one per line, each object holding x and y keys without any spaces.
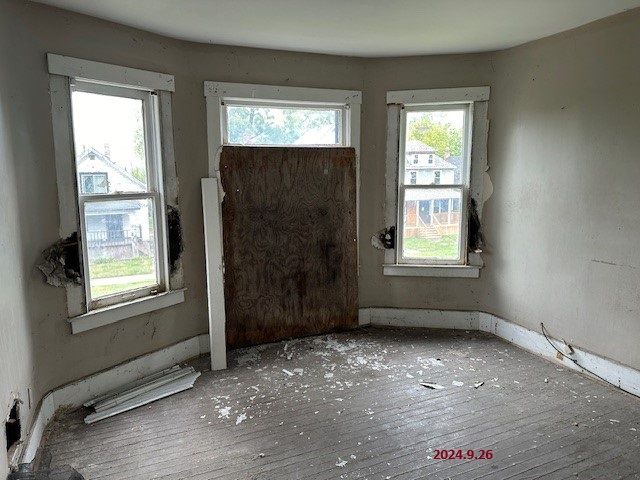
{"x":415,"y":159}
{"x":431,"y":225}
{"x":257,"y":124}
{"x":109,"y":135}
{"x":93,"y":183}
{"x":265,"y":115}
{"x":414,"y":178}
{"x":114,"y":129}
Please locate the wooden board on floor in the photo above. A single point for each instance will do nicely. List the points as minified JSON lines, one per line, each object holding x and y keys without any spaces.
{"x":290,"y":249}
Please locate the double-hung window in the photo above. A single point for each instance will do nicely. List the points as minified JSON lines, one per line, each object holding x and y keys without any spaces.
{"x":436,"y":159}
{"x":116,"y":129}
{"x":114,"y":162}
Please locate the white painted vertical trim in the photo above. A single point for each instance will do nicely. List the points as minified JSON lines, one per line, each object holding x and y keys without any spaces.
{"x":215,"y":272}
{"x":391,"y":176}
{"x":60,"y":93}
{"x":214,"y":133}
{"x":353,"y":117}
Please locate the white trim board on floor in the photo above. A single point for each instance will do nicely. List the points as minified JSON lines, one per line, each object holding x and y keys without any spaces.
{"x":76,"y":393}
{"x":622,"y":376}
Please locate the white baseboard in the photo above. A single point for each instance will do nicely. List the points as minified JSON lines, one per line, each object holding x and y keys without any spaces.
{"x":627,"y":378}
{"x":415,"y":317}
{"x":76,"y":393}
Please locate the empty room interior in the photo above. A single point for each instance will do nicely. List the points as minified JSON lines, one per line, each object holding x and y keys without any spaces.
{"x":319,"y":239}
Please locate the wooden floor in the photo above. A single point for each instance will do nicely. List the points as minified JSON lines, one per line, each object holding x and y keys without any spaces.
{"x":351,"y":406}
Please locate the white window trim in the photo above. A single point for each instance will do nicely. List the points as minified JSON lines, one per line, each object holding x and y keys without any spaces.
{"x":478,"y":98}
{"x":63,"y":71}
{"x":216,"y":93}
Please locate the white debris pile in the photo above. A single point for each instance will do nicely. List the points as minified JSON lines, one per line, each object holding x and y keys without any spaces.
{"x":143,"y":391}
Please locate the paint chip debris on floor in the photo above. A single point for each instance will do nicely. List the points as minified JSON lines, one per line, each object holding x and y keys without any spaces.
{"x":370,"y":404}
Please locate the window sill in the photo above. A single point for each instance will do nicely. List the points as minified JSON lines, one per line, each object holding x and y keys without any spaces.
{"x":452,"y":271}
{"x":115,"y":313}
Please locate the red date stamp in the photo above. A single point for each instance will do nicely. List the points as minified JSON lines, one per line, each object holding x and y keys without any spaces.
{"x":459,"y":454}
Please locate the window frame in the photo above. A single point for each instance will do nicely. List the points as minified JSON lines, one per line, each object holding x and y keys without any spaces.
{"x":343,"y":129}
{"x":67,"y":74}
{"x":463,"y":187}
{"x":476,"y":128}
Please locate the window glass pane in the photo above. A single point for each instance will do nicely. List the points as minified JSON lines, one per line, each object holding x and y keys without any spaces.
{"x":434,"y":148}
{"x":109,"y":143}
{"x":255,"y":125}
{"x":432,"y":224}
{"x":121,"y":246}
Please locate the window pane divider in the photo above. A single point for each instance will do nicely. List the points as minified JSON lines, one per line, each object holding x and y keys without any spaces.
{"x":117,"y":196}
{"x":434,"y":186}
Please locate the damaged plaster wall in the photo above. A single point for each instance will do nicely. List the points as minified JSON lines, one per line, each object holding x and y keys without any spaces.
{"x":16,"y":161}
{"x":382,"y":75}
{"x":564,"y":220}
{"x":28,"y":32}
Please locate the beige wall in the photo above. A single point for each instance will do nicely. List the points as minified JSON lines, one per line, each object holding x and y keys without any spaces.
{"x":564,"y":221}
{"x":561,"y":226}
{"x":16,"y":339}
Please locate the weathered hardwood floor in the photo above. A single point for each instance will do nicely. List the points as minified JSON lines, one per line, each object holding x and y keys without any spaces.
{"x":350,"y":406}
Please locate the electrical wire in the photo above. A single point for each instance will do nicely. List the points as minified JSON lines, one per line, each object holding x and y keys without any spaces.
{"x":544,"y":333}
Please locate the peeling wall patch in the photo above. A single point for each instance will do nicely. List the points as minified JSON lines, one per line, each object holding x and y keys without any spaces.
{"x":176,"y":244}
{"x":384,"y":239}
{"x":476,"y":237}
{"x":61,"y":262}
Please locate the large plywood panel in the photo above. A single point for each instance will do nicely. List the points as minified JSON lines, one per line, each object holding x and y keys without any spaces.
{"x":290,"y":249}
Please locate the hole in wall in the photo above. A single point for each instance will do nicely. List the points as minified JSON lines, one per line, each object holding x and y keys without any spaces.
{"x":12,"y":426}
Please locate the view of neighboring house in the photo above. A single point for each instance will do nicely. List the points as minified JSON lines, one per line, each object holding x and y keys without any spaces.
{"x":430,"y":213}
{"x":116,"y":229}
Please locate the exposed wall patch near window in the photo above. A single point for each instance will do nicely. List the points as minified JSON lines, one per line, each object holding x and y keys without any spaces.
{"x":384,"y":239}
{"x":12,"y":426}
{"x":176,"y":243}
{"x":61,"y":262}
{"x":476,"y":237}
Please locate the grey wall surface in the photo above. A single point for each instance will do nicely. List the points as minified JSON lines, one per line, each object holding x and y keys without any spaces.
{"x":16,"y":328}
{"x":563,"y":223}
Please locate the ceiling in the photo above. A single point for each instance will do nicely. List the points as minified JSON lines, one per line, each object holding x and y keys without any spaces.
{"x":364,"y":28}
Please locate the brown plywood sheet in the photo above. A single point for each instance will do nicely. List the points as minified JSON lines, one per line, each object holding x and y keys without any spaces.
{"x":290,"y":249}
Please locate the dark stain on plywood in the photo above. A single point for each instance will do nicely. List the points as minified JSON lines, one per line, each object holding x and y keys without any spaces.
{"x":290,"y":250}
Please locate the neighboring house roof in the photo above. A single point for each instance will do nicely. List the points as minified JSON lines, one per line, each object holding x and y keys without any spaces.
{"x":93,"y":154}
{"x":416,"y":146}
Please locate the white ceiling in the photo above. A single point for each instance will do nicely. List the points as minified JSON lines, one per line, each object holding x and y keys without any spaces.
{"x":365,"y":28}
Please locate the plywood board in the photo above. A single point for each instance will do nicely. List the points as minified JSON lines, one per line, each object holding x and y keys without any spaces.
{"x":290,"y":246}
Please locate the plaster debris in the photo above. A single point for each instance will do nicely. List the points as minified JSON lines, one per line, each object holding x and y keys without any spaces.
{"x":224,"y":412}
{"x":241,"y":418}
{"x":384,"y":239}
{"x":287,"y":372}
{"x":328,"y":375}
{"x":432,"y":386}
{"x":61,"y":262}
{"x":341,"y":463}
{"x":478,"y":384}
{"x":457,"y":383}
